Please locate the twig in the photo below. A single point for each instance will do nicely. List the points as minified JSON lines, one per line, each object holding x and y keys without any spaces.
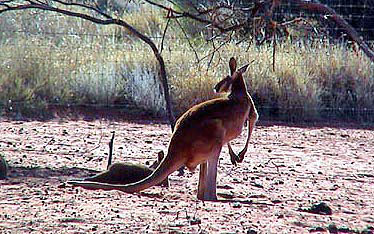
{"x":177,"y":216}
{"x":211,"y":58}
{"x":274,"y":48}
{"x":216,"y":49}
{"x":95,"y":9}
{"x":110,"y":157}
{"x":199,"y":17}
{"x":48,"y":143}
{"x":179,"y":14}
{"x":188,"y":40}
{"x":163,"y":36}
{"x":270,"y":161}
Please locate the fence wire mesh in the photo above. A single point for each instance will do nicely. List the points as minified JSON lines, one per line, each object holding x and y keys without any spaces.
{"x":359,"y":14}
{"x":102,"y":66}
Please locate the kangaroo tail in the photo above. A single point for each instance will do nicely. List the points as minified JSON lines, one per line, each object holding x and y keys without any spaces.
{"x":166,"y":167}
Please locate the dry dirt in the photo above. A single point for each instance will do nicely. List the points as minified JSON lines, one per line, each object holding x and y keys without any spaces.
{"x":287,"y":169}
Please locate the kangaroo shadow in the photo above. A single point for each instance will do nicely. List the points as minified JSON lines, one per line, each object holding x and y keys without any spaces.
{"x":244,"y":202}
{"x":17,"y":174}
{"x":46,"y":173}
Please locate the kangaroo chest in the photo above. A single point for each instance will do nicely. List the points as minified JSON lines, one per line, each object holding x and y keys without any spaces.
{"x":235,"y":125}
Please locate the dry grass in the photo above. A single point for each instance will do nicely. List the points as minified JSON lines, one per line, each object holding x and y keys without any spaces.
{"x":56,"y":59}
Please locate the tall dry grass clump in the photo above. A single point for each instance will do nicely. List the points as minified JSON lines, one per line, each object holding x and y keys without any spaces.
{"x":49,"y":58}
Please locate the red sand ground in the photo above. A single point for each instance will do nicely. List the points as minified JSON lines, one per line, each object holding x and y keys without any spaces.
{"x":286,"y":168}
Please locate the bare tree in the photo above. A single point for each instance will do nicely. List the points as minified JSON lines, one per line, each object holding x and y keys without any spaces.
{"x":96,"y":15}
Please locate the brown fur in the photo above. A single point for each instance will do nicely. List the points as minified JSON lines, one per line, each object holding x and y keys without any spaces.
{"x":126,"y":173}
{"x":198,"y":138}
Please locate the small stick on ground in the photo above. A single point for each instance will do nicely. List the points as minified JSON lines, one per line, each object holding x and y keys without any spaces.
{"x":270,"y":161}
{"x":110,"y":151}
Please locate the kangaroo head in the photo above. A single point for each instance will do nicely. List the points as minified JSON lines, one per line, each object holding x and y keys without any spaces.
{"x":225,"y":84}
{"x":160,"y":156}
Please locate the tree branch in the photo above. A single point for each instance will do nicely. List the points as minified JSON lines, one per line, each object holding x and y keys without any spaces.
{"x":196,"y":17}
{"x":188,"y":40}
{"x":267,"y":8}
{"x":331,"y":14}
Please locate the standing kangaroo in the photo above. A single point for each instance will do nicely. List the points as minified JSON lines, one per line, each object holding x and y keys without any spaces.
{"x":198,"y":137}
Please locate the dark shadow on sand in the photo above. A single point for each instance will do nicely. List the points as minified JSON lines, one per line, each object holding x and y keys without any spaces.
{"x":243,"y":202}
{"x":40,"y":172}
{"x":130,"y":113}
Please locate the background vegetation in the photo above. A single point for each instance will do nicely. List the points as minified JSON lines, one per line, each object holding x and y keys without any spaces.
{"x":53,"y":59}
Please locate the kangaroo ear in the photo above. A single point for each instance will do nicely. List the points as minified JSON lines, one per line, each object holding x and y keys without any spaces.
{"x":232,"y":64}
{"x":160,"y":155}
{"x":223,"y":85}
{"x":243,"y":68}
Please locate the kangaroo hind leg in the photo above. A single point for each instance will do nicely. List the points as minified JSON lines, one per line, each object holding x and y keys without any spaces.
{"x":208,"y":178}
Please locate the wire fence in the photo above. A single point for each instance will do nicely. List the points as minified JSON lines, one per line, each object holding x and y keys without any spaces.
{"x":21,"y":111}
{"x":359,"y":14}
{"x":97,"y":59}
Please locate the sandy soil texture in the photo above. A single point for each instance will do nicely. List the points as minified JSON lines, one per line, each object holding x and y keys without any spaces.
{"x":287,"y":170}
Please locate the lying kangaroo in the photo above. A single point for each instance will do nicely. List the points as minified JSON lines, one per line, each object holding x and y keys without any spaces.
{"x":127,"y":173}
{"x":198,"y":137}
